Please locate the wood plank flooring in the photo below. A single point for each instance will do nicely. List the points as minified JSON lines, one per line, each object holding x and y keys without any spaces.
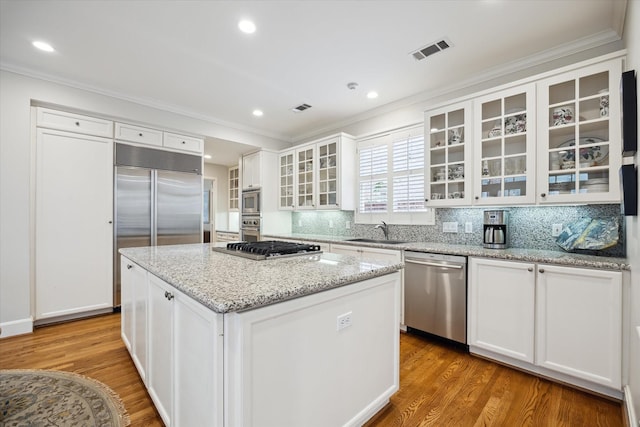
{"x":439,"y":385}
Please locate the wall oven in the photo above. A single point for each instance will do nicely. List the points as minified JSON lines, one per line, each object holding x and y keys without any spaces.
{"x":250,"y":228}
{"x":251,"y":202}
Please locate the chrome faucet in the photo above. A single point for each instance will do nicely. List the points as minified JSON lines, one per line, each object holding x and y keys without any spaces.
{"x":385,"y":229}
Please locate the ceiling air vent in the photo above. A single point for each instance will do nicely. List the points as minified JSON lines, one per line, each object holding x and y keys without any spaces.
{"x":300,"y":108}
{"x":430,"y":49}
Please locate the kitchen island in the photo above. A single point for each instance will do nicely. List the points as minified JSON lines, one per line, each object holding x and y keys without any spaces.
{"x":222,"y":340}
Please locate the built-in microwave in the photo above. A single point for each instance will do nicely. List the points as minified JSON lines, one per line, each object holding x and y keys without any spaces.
{"x":251,"y":202}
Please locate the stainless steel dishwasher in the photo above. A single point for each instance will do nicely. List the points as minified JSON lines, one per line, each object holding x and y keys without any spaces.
{"x":435,"y":294}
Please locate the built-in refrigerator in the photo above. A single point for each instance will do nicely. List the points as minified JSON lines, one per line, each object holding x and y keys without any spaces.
{"x":157,"y":201}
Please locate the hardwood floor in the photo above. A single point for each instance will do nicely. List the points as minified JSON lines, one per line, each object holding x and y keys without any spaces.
{"x":439,"y":385}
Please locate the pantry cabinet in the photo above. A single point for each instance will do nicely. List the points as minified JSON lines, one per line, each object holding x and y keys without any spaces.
{"x":579,"y":135}
{"x":185,"y":378}
{"x":504,"y":159}
{"x":318,"y":175}
{"x":561,"y":322}
{"x":74,"y":223}
{"x":448,"y":155}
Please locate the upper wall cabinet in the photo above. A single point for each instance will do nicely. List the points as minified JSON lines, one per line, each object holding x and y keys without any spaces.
{"x":504,"y":160}
{"x":71,"y":122}
{"x":158,"y":138}
{"x":579,"y":135}
{"x":448,"y":155}
{"x":318,"y":175}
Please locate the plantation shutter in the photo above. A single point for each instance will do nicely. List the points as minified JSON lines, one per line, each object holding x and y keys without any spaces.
{"x":408,"y":174}
{"x":373,"y":192}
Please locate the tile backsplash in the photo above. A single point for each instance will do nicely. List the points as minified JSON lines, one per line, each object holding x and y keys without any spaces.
{"x":528,"y":227}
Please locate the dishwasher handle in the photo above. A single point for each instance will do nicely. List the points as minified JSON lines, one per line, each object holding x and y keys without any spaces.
{"x":433,"y":264}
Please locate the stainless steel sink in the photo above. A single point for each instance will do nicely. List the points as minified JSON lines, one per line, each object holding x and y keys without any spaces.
{"x":386,"y":242}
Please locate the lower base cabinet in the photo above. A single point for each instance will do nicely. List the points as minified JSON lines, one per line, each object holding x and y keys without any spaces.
{"x":561,"y":322}
{"x":185,"y":358}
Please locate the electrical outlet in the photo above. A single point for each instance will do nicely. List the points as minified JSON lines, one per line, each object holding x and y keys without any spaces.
{"x":450,"y":227}
{"x":347,"y":225}
{"x":468,"y":227}
{"x":344,"y":321}
{"x":330,"y":223}
{"x":556,"y":229}
{"x":299,"y":223}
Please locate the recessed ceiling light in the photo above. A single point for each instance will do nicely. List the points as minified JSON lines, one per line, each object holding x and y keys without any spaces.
{"x":258,"y":113}
{"x":207,"y":156}
{"x":372,"y":95}
{"x":247,"y":26}
{"x":43,"y":46}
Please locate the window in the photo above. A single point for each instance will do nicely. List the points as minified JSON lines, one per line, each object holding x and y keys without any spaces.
{"x":391,"y":178}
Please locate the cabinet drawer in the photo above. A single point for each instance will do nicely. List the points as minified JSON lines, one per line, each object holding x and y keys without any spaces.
{"x":139,"y":134}
{"x":71,"y":122}
{"x":181,"y":142}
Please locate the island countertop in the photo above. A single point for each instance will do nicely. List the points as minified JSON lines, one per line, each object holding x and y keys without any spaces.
{"x":226,"y":283}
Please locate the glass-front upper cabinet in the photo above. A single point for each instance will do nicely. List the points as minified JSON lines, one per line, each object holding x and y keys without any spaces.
{"x":579,"y":135}
{"x":448,"y":156}
{"x":286,"y":185}
{"x":328,"y":173}
{"x":234,"y":178}
{"x":504,"y":159}
{"x":305,"y":163}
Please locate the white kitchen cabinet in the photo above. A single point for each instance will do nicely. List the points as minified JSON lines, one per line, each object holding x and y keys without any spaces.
{"x":73,"y":224}
{"x":182,"y":142}
{"x":286,"y":184}
{"x":134,"y":313}
{"x":560,"y":322}
{"x":579,"y":323}
{"x":448,"y":155}
{"x":139,"y":134}
{"x":251,"y":169}
{"x":504,"y":157}
{"x":185,"y":358}
{"x":318,"y":175}
{"x":366,"y":253}
{"x":501,"y":307}
{"x":71,"y":122}
{"x":579,"y":135}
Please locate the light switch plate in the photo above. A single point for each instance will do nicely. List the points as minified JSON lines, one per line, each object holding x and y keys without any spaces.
{"x":556,"y":229}
{"x":468,"y":227}
{"x":450,"y":227}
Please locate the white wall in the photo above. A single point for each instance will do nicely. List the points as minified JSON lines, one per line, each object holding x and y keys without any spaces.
{"x":632,"y":40}
{"x":221,"y":174}
{"x":17,"y":92}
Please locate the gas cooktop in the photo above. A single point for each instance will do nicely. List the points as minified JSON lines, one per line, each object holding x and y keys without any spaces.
{"x":268,"y":249}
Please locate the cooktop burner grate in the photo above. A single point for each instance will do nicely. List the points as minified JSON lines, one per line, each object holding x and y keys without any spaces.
{"x":268,"y":249}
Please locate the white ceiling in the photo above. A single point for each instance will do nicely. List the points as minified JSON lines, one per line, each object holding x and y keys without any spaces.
{"x":189,"y":56}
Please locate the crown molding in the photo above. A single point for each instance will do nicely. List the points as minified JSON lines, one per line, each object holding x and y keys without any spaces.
{"x":147,"y":102}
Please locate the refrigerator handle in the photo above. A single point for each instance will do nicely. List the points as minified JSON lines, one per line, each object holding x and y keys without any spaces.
{"x":154,"y":210}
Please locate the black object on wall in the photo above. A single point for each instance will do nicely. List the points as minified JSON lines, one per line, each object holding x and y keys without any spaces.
{"x":629,"y":190}
{"x":629,"y":113}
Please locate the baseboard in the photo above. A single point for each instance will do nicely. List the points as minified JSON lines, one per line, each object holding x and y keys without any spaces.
{"x":16,"y":327}
{"x":629,"y":408}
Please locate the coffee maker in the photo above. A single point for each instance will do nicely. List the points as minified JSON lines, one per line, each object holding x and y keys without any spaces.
{"x":495,"y":229}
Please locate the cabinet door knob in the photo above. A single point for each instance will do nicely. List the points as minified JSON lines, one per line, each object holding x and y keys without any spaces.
{"x":184,"y":142}
{"x":170,"y":296}
{"x":129,"y":266}
{"x":541,"y":270}
{"x":530,"y":269}
{"x":426,"y":200}
{"x":77,"y":123}
{"x":140,"y":134}
{"x":543,"y":195}
{"x":110,"y":222}
{"x":477,"y":198}
{"x":166,"y":294}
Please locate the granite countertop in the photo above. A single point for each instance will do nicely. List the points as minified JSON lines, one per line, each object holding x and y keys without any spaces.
{"x":512,"y":254}
{"x":227,"y":283}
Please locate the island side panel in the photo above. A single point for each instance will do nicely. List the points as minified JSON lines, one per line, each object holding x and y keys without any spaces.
{"x":287,"y":364}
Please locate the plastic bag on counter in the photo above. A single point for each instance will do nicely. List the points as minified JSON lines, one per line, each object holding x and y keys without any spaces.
{"x":590,"y":234}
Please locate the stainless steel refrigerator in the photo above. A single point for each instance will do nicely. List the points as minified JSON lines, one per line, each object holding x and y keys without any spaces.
{"x":157,"y":201}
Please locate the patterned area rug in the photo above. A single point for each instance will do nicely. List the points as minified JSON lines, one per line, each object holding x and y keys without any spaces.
{"x":57,"y":398}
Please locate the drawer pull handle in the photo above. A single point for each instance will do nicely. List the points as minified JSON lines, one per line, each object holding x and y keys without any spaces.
{"x":170,"y":296}
{"x":543,"y":195}
{"x":530,"y":269}
{"x":184,"y":142}
{"x":129,"y":266}
{"x":541,"y":270}
{"x":140,"y":134}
